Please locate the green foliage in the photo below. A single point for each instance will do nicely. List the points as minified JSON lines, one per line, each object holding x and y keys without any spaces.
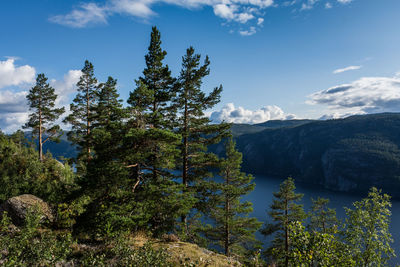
{"x":367,"y":229}
{"x":152,"y":147}
{"x":233,"y":230}
{"x":313,"y":248}
{"x":284,"y":211}
{"x":68,"y":212}
{"x":154,"y":88}
{"x":30,"y":245}
{"x":118,"y":252}
{"x":194,"y":162}
{"x":21,"y":172}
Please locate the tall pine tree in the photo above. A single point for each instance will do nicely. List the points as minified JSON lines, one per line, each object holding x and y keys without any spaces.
{"x":197,"y":132}
{"x":150,"y":103}
{"x":153,"y":144}
{"x":284,"y":211}
{"x":82,"y":112}
{"x":233,"y":229}
{"x":41,"y":99}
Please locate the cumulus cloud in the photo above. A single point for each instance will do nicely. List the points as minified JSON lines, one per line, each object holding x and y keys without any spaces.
{"x":11,"y":122}
{"x":248,"y":32}
{"x":365,"y":95}
{"x":224,"y":11}
{"x":14,"y":110}
{"x":86,"y":14}
{"x":347,"y":69}
{"x":345,"y":1}
{"x":308,"y":5}
{"x":240,"y":11}
{"x":12,"y":75}
{"x":230,"y":113}
{"x":65,"y":87}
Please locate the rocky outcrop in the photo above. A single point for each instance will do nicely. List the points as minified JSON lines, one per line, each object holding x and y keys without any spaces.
{"x":17,"y":208}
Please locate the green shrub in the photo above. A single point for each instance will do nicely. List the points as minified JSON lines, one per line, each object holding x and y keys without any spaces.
{"x":31,"y":245}
{"x":21,"y":172}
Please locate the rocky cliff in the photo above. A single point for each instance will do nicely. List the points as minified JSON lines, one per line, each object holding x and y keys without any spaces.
{"x":349,"y":154}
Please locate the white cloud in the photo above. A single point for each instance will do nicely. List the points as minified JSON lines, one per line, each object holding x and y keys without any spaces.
{"x":11,"y":122}
{"x":64,"y":88}
{"x":14,"y":110}
{"x":12,"y":75}
{"x":13,"y":101}
{"x":345,"y":1}
{"x":347,"y":69}
{"x":224,"y":11}
{"x":230,"y":113}
{"x":308,"y":5}
{"x":86,"y":14}
{"x":365,"y":95}
{"x":244,"y":17}
{"x":241,"y":11}
{"x":248,"y":32}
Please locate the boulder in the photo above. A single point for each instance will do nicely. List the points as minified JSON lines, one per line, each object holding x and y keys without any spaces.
{"x":17,"y":208}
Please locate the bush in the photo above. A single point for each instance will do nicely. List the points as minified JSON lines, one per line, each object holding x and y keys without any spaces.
{"x":118,"y":252}
{"x":21,"y":172}
{"x":31,"y":245}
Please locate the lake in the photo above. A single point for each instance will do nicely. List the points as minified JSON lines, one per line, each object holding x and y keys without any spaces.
{"x":262,"y":197}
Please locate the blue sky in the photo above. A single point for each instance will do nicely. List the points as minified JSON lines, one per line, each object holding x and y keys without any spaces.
{"x":276,"y":59}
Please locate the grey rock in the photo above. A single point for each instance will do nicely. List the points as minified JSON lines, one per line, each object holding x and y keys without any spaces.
{"x":17,"y":208}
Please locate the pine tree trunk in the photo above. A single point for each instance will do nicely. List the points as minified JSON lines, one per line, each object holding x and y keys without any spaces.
{"x":185,"y":156}
{"x":286,"y":235}
{"x":40,"y":136}
{"x":227,"y":226}
{"x":155,"y":126}
{"x":87,"y":124}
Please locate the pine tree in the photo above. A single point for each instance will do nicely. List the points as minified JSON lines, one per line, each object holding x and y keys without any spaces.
{"x":107,"y":135}
{"x":197,"y":132}
{"x":109,"y":109}
{"x":367,"y":230}
{"x":82,"y":116}
{"x":153,"y":144}
{"x":322,"y":218}
{"x":41,"y":99}
{"x":233,"y":229}
{"x":284,"y":211}
{"x":150,"y":104}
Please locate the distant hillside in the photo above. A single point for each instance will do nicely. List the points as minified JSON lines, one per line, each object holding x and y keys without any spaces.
{"x":62,"y":149}
{"x":239,"y":129}
{"x":349,"y":154}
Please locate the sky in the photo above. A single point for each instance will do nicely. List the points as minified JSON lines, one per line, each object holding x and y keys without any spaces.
{"x":276,"y":59}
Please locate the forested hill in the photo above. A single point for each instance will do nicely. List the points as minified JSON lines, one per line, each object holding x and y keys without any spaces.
{"x":63,"y":149}
{"x":350,"y":154}
{"x":239,"y":129}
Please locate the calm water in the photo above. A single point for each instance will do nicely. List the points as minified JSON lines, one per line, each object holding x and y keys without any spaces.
{"x":265,"y":186}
